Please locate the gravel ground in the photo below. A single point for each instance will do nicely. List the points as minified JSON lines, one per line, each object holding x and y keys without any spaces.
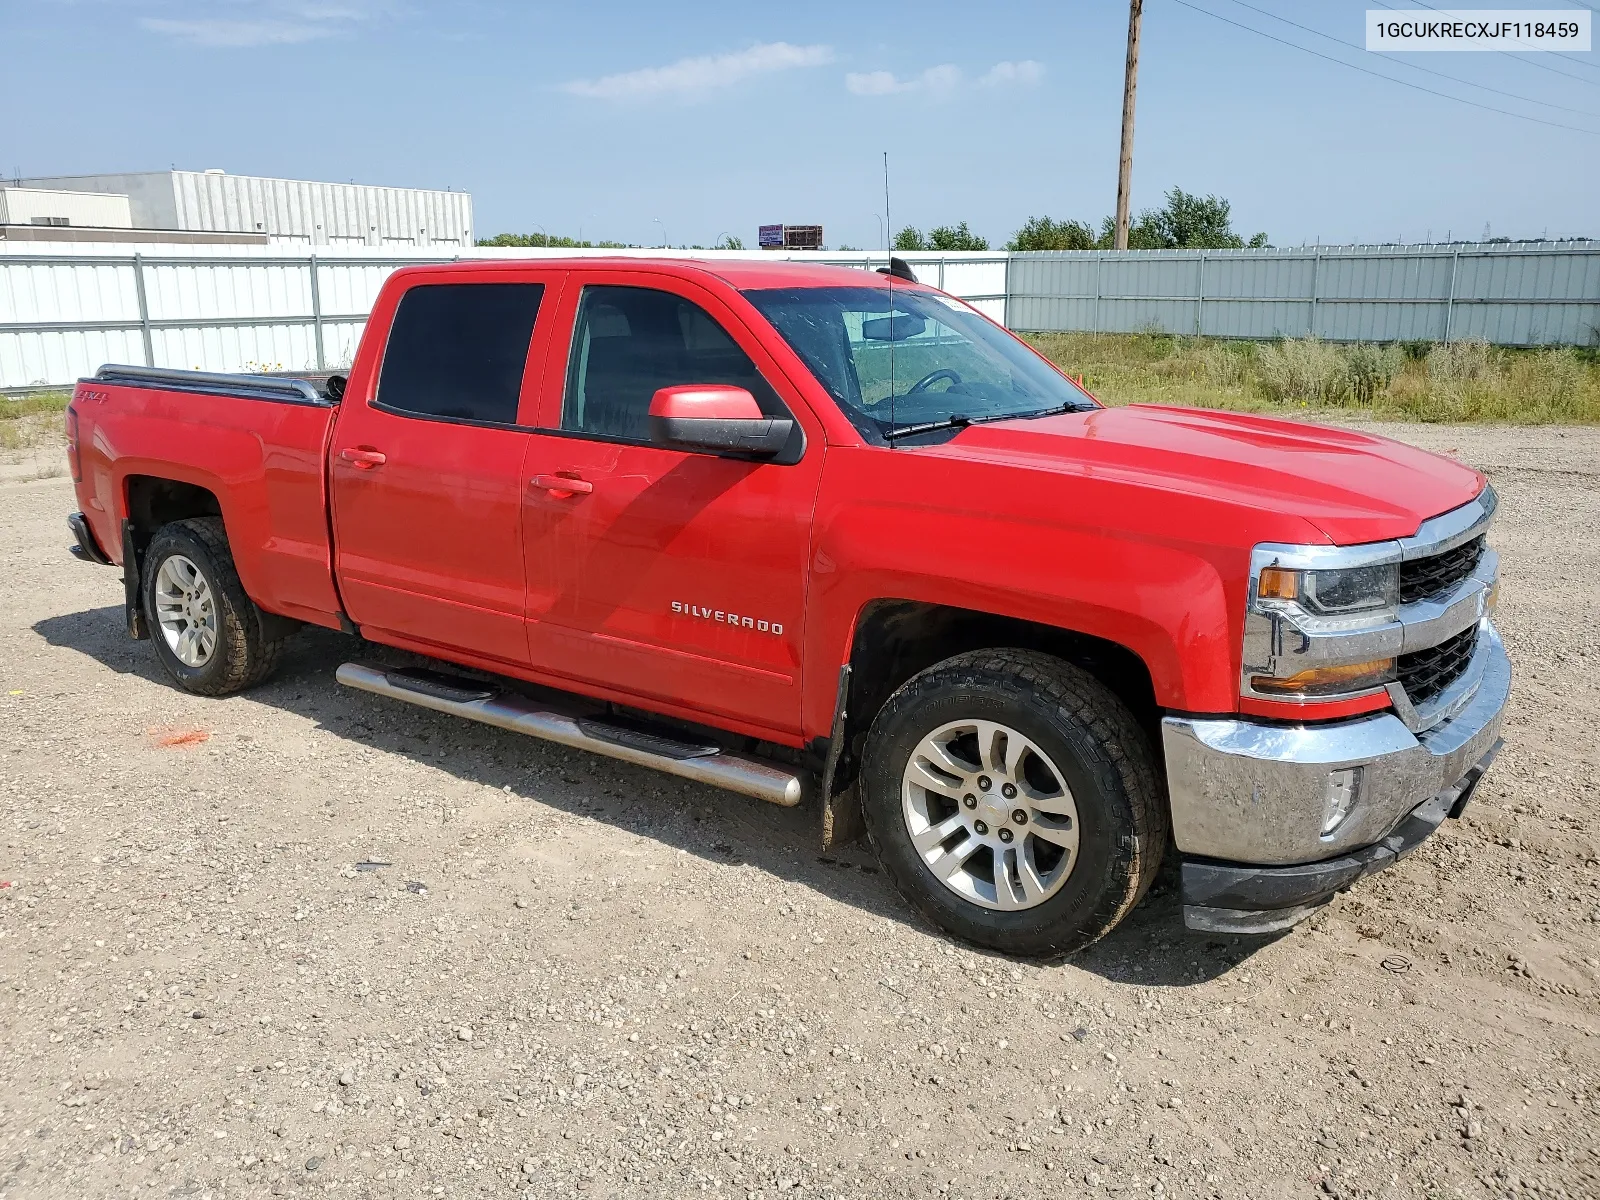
{"x":569,"y":976}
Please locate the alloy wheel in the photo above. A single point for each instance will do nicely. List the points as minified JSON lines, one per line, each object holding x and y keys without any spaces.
{"x":186,"y":611}
{"x":990,"y":815}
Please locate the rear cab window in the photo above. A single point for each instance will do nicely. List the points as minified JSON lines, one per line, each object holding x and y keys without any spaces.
{"x":457,"y":351}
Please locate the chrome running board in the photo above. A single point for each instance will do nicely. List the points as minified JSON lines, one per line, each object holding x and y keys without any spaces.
{"x":507,"y":710}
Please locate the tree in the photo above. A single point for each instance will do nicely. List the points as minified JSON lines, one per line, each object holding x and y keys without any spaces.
{"x":957,"y":238}
{"x":541,"y":241}
{"x":1185,"y":222}
{"x":1144,"y":233}
{"x":1042,"y":233}
{"x":1191,"y":222}
{"x":944,"y":237}
{"x":729,"y":242}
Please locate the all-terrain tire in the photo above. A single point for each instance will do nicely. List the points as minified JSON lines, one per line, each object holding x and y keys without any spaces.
{"x":249,"y":642}
{"x":1103,"y":756}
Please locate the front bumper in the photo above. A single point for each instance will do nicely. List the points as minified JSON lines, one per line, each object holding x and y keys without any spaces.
{"x":1251,"y":800}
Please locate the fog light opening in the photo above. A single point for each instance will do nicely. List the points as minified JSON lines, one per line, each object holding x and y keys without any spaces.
{"x":1344,"y":789}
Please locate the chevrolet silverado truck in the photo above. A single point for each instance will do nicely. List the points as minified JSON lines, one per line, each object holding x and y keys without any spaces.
{"x":803,"y":531}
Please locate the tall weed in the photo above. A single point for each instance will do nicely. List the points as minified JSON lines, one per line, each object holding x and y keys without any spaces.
{"x":1303,"y":371}
{"x":1457,"y":363}
{"x":1422,"y":381}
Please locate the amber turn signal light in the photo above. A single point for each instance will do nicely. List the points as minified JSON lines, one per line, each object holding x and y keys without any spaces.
{"x":1321,"y":681}
{"x":1276,"y":583}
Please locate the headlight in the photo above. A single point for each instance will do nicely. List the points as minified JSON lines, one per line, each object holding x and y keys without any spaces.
{"x":1322,"y":621}
{"x":1333,"y":598}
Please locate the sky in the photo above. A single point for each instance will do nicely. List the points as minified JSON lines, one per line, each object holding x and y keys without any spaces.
{"x":649,"y":122}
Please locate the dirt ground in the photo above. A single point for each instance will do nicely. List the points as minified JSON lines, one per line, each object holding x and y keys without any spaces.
{"x":568,"y":976}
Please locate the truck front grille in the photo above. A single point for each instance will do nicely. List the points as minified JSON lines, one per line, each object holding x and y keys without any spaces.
{"x":1426,"y":673}
{"x":1424,"y":577}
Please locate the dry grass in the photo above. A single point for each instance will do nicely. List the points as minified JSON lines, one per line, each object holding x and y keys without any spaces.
{"x":28,"y":422}
{"x":1459,"y":381}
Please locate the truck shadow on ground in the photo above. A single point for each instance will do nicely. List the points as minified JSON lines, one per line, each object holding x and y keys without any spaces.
{"x":1151,"y":948}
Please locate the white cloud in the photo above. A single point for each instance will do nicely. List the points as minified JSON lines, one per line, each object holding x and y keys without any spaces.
{"x":692,"y":75}
{"x":1027,"y":72}
{"x":270,"y":22}
{"x":212,"y":32}
{"x":942,"y":79}
{"x":874,"y":83}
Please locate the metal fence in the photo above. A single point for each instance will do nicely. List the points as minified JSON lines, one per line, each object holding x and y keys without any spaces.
{"x":251,"y":308}
{"x":1516,"y":295}
{"x":231,"y":308}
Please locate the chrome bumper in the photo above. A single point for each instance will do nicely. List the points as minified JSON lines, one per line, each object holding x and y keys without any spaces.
{"x":1251,"y":792}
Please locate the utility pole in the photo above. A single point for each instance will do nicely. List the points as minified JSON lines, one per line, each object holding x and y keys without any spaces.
{"x":1130,"y":85}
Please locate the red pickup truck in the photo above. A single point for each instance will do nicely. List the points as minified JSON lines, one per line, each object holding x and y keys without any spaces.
{"x":808,"y":531}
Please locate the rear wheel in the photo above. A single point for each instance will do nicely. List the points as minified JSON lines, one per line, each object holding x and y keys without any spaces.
{"x":1014,"y":801}
{"x":208,"y":634}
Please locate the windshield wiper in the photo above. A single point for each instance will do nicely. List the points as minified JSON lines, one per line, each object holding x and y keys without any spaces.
{"x":1069,"y":407}
{"x":953,"y":421}
{"x":961,"y":420}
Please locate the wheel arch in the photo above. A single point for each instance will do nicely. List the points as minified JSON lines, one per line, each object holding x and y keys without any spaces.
{"x":154,"y":500}
{"x":894,"y":640}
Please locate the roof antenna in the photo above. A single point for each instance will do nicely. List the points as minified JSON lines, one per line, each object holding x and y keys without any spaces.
{"x":897,"y":267}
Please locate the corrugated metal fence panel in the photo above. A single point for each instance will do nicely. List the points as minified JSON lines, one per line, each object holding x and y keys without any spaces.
{"x":178,"y":290}
{"x":1511,"y":295}
{"x":71,"y":314}
{"x":350,"y":288}
{"x":65,"y":312}
{"x":30,"y":360}
{"x":339,"y":340}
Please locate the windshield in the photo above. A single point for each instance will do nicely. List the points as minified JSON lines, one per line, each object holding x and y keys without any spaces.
{"x":898,"y":358}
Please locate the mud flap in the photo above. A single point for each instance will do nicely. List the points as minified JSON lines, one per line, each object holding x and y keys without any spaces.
{"x":842,"y":821}
{"x":132,"y":576}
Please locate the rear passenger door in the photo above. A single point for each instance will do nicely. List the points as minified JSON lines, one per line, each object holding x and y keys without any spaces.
{"x":427,"y":469}
{"x":670,"y":575}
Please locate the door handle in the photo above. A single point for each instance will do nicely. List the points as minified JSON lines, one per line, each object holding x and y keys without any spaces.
{"x":563,"y":487}
{"x":363,"y":460}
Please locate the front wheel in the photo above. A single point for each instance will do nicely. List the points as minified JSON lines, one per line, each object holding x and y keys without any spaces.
{"x":209,"y":635}
{"x":1014,"y":801}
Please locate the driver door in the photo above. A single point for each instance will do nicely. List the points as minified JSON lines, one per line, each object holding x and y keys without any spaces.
{"x":672,"y":575}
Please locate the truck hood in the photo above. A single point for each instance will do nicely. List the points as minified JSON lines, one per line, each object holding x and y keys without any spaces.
{"x":1354,"y":487}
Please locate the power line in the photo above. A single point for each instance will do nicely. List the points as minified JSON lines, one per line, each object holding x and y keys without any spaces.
{"x":1582,"y":112}
{"x":1417,"y":87}
{"x":1521,"y":58}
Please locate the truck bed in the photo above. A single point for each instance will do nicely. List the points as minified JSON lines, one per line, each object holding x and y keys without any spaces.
{"x":256,"y":443}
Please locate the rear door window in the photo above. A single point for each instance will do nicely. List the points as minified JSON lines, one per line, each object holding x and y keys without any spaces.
{"x":457,"y":351}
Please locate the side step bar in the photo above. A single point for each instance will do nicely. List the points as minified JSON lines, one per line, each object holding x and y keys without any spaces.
{"x":482,"y":702}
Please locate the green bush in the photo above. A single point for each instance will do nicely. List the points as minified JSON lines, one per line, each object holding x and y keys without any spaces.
{"x":1369,"y":369}
{"x":1456,"y":363}
{"x":1303,"y":371}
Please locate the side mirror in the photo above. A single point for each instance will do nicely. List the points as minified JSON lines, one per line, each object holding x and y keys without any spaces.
{"x":715,"y":417}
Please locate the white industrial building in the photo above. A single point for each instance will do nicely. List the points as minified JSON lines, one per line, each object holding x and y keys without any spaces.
{"x":287,"y":212}
{"x":55,"y":207}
